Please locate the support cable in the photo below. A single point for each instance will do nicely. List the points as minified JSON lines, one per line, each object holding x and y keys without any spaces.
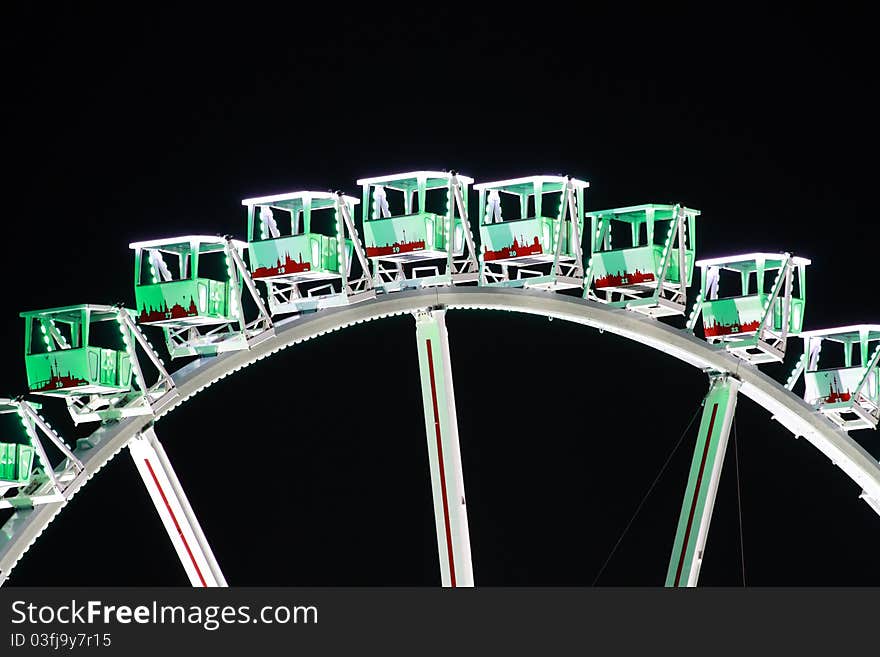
{"x":647,"y":494}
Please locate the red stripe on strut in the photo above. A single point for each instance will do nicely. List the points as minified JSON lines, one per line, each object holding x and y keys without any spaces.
{"x":687,"y":531}
{"x":176,"y":524}
{"x":440,"y":461}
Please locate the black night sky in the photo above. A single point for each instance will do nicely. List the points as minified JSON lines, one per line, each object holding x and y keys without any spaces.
{"x":311,"y":468}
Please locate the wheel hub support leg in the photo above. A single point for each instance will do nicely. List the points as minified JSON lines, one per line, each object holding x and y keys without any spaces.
{"x":444,"y":455}
{"x":702,"y":485}
{"x":175,"y":511}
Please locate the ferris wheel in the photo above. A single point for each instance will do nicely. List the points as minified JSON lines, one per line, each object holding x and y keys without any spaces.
{"x":305,"y":271}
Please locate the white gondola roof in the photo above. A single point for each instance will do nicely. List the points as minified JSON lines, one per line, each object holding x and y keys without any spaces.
{"x":184,"y":241}
{"x":845,"y":333}
{"x":523,"y":185}
{"x":641,"y":208}
{"x":296,"y":198}
{"x":409,"y":181}
{"x":745,"y":261}
{"x":72,"y":313}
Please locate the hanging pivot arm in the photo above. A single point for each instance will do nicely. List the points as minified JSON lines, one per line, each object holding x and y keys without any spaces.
{"x":366,"y":281}
{"x":470,"y":264}
{"x":569,"y":206}
{"x":134,"y":330}
{"x":239,"y":267}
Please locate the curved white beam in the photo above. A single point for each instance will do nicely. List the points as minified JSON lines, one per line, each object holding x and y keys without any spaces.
{"x":25,"y":526}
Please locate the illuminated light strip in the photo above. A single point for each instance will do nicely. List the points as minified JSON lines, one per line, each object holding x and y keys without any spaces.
{"x":440,"y":461}
{"x":176,"y":525}
{"x":687,"y":531}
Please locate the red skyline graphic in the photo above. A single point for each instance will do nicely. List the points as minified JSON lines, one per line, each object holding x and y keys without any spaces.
{"x":395,"y":249}
{"x":836,"y":395}
{"x":625,"y":278}
{"x":164,"y":313}
{"x":715,"y":329}
{"x":57,"y":381}
{"x":289,"y":266}
{"x":515,"y":250}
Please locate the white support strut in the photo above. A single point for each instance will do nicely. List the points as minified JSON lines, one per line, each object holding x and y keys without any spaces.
{"x":702,"y":486}
{"x":175,"y":511}
{"x":444,"y":455}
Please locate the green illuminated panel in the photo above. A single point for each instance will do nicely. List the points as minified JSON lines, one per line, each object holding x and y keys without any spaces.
{"x":180,"y":300}
{"x":293,"y":254}
{"x":405,"y":234}
{"x":87,"y":370}
{"x":640,"y":264}
{"x":837,"y":386}
{"x":15,"y":463}
{"x":743,"y":315}
{"x":522,"y":237}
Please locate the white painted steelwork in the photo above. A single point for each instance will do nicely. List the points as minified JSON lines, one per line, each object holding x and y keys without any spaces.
{"x":26,"y":525}
{"x":174,"y":510}
{"x":444,"y":453}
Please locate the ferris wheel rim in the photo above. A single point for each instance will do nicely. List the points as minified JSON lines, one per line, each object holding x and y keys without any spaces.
{"x":25,"y":526}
